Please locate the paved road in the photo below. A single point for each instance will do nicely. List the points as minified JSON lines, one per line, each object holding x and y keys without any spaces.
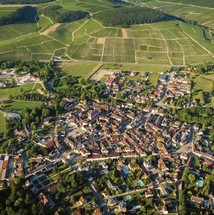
{"x":99,"y":198}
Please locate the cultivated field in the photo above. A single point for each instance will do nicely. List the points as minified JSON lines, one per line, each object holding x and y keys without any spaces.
{"x":164,"y":43}
{"x":203,"y":15}
{"x":167,"y":43}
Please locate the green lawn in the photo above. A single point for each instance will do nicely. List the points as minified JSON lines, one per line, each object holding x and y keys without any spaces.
{"x":6,"y":92}
{"x":19,"y":105}
{"x":84,"y":70}
{"x":203,"y":84}
{"x":210,"y":77}
{"x":136,"y":67}
{"x":2,"y":123}
{"x":104,"y":78}
{"x":153,"y":78}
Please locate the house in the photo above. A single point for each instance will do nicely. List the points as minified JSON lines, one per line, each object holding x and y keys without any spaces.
{"x":196,"y":200}
{"x":97,"y":211}
{"x":184,"y":156}
{"x":162,"y":209}
{"x":110,"y":81}
{"x":12,"y":116}
{"x":43,"y":199}
{"x":162,"y":165}
{"x":82,"y":200}
{"x":149,"y":193}
{"x":133,"y":74}
{"x":163,"y":77}
{"x":163,"y":190}
{"x":2,"y":84}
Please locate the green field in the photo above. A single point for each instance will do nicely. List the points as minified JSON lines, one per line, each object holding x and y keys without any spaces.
{"x":163,"y":43}
{"x":203,"y":15}
{"x":7,"y":92}
{"x":2,"y":122}
{"x":137,"y":67}
{"x":84,"y":70}
{"x":200,"y":84}
{"x":19,"y":105}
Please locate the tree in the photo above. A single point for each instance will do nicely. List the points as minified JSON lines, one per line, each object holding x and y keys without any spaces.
{"x":191,"y":178}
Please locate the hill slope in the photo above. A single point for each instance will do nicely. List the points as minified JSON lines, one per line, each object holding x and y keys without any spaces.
{"x":204,"y":3}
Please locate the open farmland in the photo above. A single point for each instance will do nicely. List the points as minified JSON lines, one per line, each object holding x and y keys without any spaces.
{"x":203,"y":15}
{"x":167,"y":43}
{"x":163,"y":43}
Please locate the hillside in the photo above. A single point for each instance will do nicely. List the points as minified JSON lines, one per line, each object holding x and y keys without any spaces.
{"x":47,"y":37}
{"x":24,"y":15}
{"x":203,"y":15}
{"x":129,"y":16}
{"x":57,"y":14}
{"x":204,"y":3}
{"x":23,"y":1}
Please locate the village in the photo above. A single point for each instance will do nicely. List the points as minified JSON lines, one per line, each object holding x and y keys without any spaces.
{"x":134,"y":157}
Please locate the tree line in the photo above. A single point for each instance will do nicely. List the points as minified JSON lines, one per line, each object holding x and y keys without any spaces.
{"x":126,"y":16}
{"x":24,"y":14}
{"x":75,"y":87}
{"x":201,"y":115}
{"x":31,"y":97}
{"x":56,"y":14}
{"x":43,"y":70}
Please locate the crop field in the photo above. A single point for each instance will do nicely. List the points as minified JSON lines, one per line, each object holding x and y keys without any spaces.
{"x":202,"y":15}
{"x":6,"y":11}
{"x":167,"y":43}
{"x":163,"y":43}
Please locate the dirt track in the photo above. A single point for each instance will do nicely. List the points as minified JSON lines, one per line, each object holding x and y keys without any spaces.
{"x":51,"y":29}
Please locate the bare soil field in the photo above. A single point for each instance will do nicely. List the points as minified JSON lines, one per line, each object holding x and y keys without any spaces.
{"x":51,"y":29}
{"x":124,"y":32}
{"x":101,"y":40}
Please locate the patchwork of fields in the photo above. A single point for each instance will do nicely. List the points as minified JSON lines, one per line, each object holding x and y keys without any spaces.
{"x":159,"y":43}
{"x":203,"y":15}
{"x":164,"y":43}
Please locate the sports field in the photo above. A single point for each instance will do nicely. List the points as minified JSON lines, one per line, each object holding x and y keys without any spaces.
{"x":164,"y":43}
